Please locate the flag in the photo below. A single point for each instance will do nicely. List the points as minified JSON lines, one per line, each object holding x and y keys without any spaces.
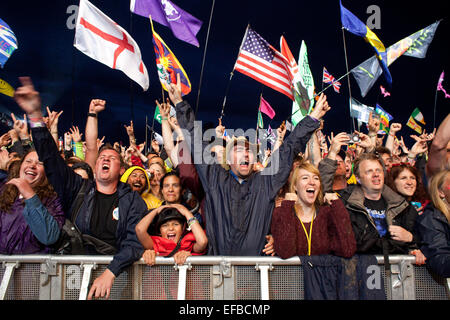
{"x":413,"y":125}
{"x":417,"y":115}
{"x":385,"y":118}
{"x":157,"y":115}
{"x":100,"y":38}
{"x":6,"y":88}
{"x":265,"y":107}
{"x":184,"y":26}
{"x":260,"y":120}
{"x":440,"y":87}
{"x":168,"y":65}
{"x":360,"y":111}
{"x":384,"y":92}
{"x":303,"y":82}
{"x":352,"y":24}
{"x":262,"y":62}
{"x":8,"y":42}
{"x":328,"y":78}
{"x":415,"y":45}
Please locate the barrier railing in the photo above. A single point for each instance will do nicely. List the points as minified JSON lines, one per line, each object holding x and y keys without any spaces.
{"x":54,"y":277}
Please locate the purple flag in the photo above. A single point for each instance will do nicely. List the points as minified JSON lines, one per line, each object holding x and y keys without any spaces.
{"x":184,"y":26}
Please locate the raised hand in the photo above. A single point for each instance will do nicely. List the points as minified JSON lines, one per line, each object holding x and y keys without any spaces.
{"x":75,"y":133}
{"x":28,"y":98}
{"x":97,"y":105}
{"x":321,"y":107}
{"x":5,"y":140}
{"x":395,"y":127}
{"x":175,"y":91}
{"x":24,"y":187}
{"x":21,"y":127}
{"x":53,"y":118}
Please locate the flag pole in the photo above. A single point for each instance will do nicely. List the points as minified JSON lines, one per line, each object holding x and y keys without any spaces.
{"x":231,"y":74}
{"x":204,"y":57}
{"x":434,"y":113}
{"x":348,"y":75}
{"x":146,"y":140}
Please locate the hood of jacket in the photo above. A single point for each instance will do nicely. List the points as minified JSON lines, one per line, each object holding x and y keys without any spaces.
{"x":395,"y":203}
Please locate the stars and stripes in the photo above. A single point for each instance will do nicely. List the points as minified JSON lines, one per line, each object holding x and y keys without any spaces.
{"x":328,"y":78}
{"x":262,"y":62}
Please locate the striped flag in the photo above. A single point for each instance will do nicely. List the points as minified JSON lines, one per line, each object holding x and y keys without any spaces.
{"x":328,"y":78}
{"x":262,"y":62}
{"x":8,"y":42}
{"x":414,"y":125}
{"x":418,"y":116}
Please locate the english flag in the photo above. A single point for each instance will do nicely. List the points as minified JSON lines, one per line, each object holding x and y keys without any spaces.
{"x":100,"y":38}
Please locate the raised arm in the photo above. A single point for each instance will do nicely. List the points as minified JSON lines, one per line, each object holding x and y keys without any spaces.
{"x":437,"y":156}
{"x":394,"y":128}
{"x":91,"y":132}
{"x":65,"y":182}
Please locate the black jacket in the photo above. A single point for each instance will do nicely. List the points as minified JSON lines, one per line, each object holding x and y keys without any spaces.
{"x":433,"y":231}
{"x":398,"y":212}
{"x":238,"y":215}
{"x":67,"y":184}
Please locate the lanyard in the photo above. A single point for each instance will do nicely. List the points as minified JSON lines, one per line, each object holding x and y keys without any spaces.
{"x":308,"y":237}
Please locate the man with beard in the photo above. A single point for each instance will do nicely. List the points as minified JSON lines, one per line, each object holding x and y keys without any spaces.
{"x":136,"y":177}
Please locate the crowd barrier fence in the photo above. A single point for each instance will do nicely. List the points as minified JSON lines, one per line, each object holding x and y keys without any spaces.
{"x":57,"y":277}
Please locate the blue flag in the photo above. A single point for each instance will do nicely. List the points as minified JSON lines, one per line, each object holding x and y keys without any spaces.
{"x":8,"y":42}
{"x":352,"y":24}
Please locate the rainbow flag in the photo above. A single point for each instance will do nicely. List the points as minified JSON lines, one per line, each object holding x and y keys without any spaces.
{"x":168,"y":65}
{"x":385,"y":118}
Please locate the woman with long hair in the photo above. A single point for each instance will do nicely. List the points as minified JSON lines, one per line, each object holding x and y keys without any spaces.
{"x":31,"y":215}
{"x":406,"y":181}
{"x":433,"y":226}
{"x":305,"y":225}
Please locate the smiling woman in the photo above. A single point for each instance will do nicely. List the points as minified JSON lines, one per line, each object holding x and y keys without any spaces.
{"x":31,"y":215}
{"x":304,"y":225}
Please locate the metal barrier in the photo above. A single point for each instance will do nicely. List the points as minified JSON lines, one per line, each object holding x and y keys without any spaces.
{"x":53,"y":277}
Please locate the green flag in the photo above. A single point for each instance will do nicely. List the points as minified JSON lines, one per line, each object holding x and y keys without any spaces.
{"x":303,"y":88}
{"x":418,"y":116}
{"x":260,"y":120}
{"x":157,"y":115}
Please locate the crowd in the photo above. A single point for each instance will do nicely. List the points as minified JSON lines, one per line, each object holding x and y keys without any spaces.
{"x":311,"y":194}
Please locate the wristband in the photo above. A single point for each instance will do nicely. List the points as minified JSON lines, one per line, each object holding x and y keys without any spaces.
{"x":190,"y":222}
{"x":37,"y":124}
{"x":164,"y":118}
{"x":91,"y":114}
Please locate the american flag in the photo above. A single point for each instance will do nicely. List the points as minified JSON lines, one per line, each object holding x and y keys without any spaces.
{"x":262,"y":62}
{"x":328,"y":78}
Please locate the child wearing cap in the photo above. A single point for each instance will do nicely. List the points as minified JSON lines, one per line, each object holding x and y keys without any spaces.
{"x":179,"y":234}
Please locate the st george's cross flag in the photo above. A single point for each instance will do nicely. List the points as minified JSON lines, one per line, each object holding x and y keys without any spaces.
{"x":328,"y":78}
{"x":262,"y":62}
{"x":100,"y":38}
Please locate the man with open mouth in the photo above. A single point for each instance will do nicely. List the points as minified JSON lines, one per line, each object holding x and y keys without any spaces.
{"x":239,"y":200}
{"x":104,"y":210}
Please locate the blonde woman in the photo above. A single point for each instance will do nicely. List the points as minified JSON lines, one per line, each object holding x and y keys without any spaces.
{"x":305,"y":225}
{"x":433,"y":226}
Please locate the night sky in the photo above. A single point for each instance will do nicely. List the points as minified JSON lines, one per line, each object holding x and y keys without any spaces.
{"x":67,"y":79}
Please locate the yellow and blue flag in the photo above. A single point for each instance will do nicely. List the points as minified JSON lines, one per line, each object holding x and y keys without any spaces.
{"x":352,"y":24}
{"x":168,"y":65}
{"x":8,"y":42}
